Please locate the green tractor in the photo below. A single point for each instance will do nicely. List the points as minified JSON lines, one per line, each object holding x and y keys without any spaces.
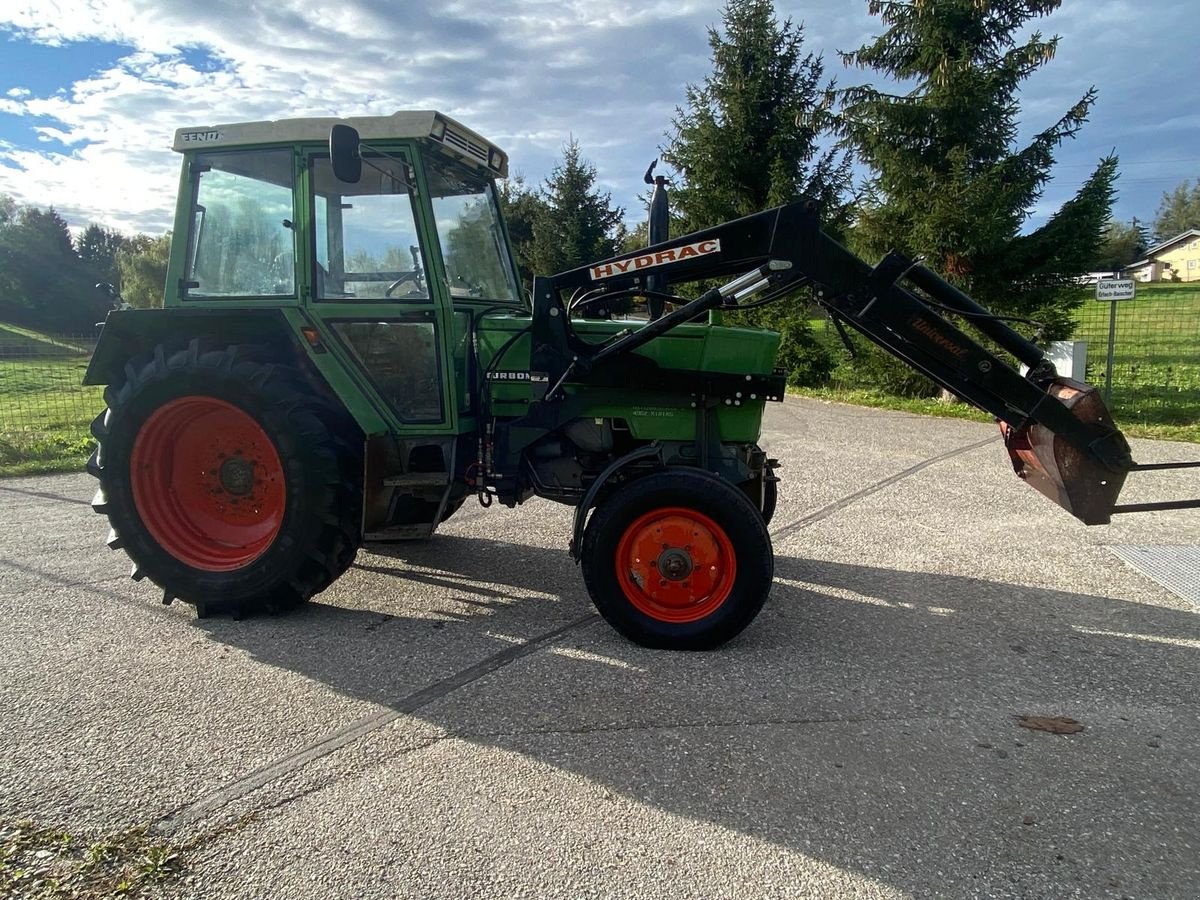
{"x":345,"y":355}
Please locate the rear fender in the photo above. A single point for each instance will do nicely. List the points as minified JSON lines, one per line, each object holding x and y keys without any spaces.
{"x":128,"y":334}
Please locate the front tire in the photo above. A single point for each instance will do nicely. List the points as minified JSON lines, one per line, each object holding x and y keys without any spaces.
{"x":678,"y":560}
{"x":225,"y":480}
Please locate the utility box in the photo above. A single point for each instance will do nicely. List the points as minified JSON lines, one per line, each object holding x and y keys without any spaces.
{"x":1070,"y":358}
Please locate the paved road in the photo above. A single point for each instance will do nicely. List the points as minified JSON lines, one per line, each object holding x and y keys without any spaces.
{"x":451,"y":719}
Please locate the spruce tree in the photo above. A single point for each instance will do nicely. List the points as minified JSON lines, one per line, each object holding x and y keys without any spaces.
{"x":578,"y":223}
{"x":950,"y":181}
{"x":751,"y":137}
{"x":521,"y":207}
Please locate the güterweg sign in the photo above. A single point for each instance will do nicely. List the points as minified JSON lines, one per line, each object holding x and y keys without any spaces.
{"x":1115,"y":289}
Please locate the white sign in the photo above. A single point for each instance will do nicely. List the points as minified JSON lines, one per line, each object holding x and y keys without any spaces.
{"x":1115,"y":289}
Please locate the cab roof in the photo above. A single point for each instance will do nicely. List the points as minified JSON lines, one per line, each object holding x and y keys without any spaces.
{"x":452,"y":136}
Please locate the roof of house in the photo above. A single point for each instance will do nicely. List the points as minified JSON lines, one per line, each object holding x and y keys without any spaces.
{"x":1190,"y":233}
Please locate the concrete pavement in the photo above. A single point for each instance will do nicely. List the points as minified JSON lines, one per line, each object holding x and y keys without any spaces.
{"x":451,"y":719}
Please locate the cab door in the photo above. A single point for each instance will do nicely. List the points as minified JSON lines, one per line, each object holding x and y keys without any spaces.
{"x":371,"y":292}
{"x":371,"y":289}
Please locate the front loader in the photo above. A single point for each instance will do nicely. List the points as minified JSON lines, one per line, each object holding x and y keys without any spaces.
{"x":344,"y":355}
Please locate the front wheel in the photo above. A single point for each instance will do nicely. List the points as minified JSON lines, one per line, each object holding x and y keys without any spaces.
{"x":678,"y":560}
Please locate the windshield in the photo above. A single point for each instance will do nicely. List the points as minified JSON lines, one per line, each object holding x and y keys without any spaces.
{"x":468,"y":227}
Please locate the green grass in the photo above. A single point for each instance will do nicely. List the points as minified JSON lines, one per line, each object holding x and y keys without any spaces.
{"x":16,"y":336}
{"x":44,"y":410}
{"x":940,"y":409}
{"x":1156,"y":361}
{"x":49,"y":863}
{"x":1156,"y":364}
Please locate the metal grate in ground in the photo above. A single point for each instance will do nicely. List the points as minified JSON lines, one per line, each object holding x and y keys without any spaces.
{"x":1175,"y":566}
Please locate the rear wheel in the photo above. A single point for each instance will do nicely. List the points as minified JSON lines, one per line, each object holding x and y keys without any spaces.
{"x":225,"y":481}
{"x":678,"y":560}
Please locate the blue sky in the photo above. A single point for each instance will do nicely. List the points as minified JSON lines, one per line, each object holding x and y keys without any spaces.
{"x":91,"y":91}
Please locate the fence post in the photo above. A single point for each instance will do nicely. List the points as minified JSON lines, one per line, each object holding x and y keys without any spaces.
{"x":1112,"y":339}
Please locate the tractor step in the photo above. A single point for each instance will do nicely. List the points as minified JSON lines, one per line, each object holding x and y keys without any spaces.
{"x":401,"y":533}
{"x":418,"y":480}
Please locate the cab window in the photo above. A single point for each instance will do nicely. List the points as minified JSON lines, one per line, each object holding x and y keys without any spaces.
{"x":366,"y":235}
{"x":467,"y":217}
{"x":242,"y":243}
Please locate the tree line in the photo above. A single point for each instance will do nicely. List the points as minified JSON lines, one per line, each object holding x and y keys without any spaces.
{"x":946,"y":178}
{"x":52,"y":281}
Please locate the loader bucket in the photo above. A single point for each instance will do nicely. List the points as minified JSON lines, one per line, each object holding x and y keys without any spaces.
{"x":1073,"y":478}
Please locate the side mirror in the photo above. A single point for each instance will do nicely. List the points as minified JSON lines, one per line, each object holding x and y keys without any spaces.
{"x":343,"y":153}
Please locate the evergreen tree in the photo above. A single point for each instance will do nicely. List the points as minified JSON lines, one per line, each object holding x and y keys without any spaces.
{"x":98,"y":246}
{"x":521,"y":207}
{"x":749,"y":139}
{"x":578,"y":224}
{"x":950,"y":182}
{"x":1178,"y":212}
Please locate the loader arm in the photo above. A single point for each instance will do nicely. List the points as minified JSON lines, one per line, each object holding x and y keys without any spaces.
{"x":1058,"y":432}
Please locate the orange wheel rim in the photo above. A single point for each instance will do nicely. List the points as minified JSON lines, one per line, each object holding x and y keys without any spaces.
{"x":207,"y":483}
{"x":676,"y":565}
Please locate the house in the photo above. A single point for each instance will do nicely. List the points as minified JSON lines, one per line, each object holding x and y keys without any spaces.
{"x":1175,"y":260}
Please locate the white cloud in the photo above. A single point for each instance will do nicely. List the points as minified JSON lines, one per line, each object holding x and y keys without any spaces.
{"x":528,"y":74}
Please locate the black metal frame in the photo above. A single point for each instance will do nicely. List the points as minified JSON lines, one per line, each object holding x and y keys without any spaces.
{"x":786,"y":245}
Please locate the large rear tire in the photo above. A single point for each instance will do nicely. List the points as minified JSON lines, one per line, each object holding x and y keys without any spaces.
{"x":225,"y":481}
{"x":678,"y":560}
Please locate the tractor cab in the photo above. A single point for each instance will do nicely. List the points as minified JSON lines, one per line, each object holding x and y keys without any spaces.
{"x":384,"y":275}
{"x":266,"y":217}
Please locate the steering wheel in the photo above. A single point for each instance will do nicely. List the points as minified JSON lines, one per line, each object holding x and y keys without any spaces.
{"x":414,"y":277}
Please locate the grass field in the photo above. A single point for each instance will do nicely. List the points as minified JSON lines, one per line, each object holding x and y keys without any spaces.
{"x":1156,"y":360}
{"x":1156,"y":364}
{"x":44,"y":410}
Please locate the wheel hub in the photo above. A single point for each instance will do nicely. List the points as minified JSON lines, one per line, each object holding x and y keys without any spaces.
{"x":675,"y":564}
{"x":208,"y":483}
{"x":237,"y":476}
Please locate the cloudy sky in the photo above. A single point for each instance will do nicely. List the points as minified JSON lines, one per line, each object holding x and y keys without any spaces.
{"x":91,"y":91}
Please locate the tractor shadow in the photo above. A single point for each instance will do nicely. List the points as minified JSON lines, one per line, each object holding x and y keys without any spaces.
{"x":866,"y":720}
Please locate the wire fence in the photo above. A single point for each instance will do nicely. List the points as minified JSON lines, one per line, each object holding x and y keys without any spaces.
{"x":45,"y":411}
{"x":1155,"y":372}
{"x":1154,"y":378}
